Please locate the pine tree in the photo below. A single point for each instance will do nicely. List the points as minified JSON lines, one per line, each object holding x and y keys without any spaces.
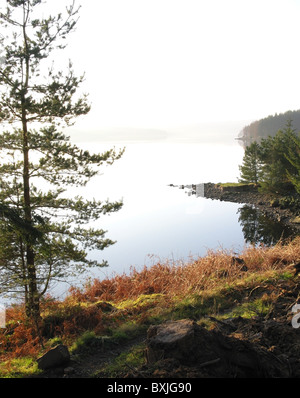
{"x":276,"y":166}
{"x":251,"y":168}
{"x":293,"y":156}
{"x":43,"y":234}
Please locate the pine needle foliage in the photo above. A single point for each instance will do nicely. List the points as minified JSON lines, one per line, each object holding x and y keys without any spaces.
{"x":44,"y":235}
{"x":274,"y":163}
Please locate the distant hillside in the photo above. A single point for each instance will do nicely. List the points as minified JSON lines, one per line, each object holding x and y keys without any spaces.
{"x":269,"y":126}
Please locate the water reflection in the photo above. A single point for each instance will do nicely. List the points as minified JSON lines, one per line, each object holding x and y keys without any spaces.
{"x":258,"y":228}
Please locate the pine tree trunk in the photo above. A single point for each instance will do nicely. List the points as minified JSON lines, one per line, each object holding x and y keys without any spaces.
{"x":32,"y":305}
{"x":24,"y":276}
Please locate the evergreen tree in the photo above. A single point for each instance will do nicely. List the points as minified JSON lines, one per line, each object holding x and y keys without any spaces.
{"x":251,"y":167}
{"x":276,"y":166}
{"x":42,"y":233}
{"x":293,"y":156}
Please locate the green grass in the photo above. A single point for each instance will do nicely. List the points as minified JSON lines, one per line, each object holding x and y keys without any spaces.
{"x":201,"y":291}
{"x":88,"y":341}
{"x":19,"y":368}
{"x":258,"y":307}
{"x":127,"y":362}
{"x":144,"y":300}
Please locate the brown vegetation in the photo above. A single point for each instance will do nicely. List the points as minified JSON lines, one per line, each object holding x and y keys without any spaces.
{"x":198,"y":275}
{"x":140,"y":296}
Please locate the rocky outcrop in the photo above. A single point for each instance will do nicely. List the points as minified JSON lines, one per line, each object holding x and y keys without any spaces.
{"x":189,"y":344}
{"x":55,"y":357}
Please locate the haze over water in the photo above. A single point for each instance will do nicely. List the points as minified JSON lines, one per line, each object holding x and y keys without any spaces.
{"x":158,"y":221}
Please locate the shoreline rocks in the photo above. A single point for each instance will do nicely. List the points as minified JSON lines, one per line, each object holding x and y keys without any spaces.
{"x":248,"y":195}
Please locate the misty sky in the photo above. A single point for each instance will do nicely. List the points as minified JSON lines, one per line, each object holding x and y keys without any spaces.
{"x":167,"y":63}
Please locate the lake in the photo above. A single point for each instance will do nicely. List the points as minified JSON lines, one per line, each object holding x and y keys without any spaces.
{"x":159,"y":222}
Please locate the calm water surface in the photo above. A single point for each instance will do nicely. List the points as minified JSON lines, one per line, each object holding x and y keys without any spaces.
{"x":162,"y":222}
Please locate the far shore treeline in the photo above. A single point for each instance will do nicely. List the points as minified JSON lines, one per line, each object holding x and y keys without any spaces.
{"x":269,"y":126}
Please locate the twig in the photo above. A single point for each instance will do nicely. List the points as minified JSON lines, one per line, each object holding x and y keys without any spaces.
{"x":256,"y":287}
{"x":208,"y":363}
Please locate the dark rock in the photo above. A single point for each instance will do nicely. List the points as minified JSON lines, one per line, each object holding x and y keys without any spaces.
{"x":297,"y":268}
{"x":170,"y":340}
{"x":244,"y":268}
{"x":240,"y":262}
{"x":192,"y":345}
{"x":104,"y":306}
{"x":237,"y":260}
{"x":54,"y":358}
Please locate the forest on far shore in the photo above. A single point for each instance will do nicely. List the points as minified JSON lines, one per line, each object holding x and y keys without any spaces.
{"x":268,"y":126}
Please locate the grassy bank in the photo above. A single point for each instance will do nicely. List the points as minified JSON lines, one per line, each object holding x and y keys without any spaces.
{"x":110,"y":313}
